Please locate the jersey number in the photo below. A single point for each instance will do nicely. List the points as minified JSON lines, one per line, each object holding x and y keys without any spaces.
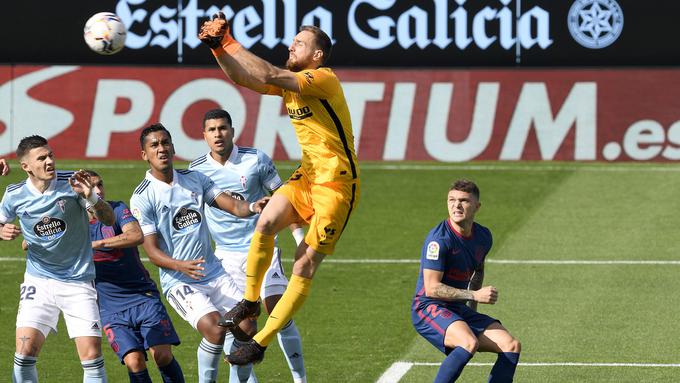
{"x":433,"y":311}
{"x":187,"y":291}
{"x":27,"y":292}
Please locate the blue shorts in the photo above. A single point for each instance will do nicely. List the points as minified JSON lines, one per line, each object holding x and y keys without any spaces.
{"x":432,"y":319}
{"x":138,"y":328}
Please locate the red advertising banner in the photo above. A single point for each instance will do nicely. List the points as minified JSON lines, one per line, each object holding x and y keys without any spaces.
{"x":444,"y":115}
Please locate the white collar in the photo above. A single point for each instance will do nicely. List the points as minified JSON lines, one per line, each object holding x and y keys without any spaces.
{"x":230,"y":160}
{"x":151,"y":178}
{"x":48,"y":191}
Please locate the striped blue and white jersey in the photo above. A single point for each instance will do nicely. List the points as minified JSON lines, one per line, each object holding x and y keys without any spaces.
{"x":175,"y":213}
{"x":55,"y":226}
{"x":248,"y":175}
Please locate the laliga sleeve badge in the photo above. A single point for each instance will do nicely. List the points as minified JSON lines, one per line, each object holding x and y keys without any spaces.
{"x":136,"y":213}
{"x":432,"y":251}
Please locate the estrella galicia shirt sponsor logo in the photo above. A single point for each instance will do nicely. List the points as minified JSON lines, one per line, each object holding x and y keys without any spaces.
{"x":49,"y":228}
{"x":235,"y":195}
{"x":186,"y":220}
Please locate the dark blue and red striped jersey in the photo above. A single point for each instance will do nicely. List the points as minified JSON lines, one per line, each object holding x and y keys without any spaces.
{"x":122,"y":281}
{"x":456,"y":256}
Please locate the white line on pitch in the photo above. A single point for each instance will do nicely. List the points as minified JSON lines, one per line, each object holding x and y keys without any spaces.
{"x":494,"y":261}
{"x":398,"y":369}
{"x":567,"y":364}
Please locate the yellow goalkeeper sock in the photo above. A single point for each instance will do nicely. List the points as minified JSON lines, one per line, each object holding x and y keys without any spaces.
{"x":290,"y":302}
{"x":259,"y":258}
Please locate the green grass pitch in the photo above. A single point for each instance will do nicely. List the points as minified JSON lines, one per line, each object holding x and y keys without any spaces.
{"x":356,"y":323}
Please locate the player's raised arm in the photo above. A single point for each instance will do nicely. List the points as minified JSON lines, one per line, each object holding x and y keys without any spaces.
{"x":243,"y":67}
{"x":4,"y":167}
{"x":81,"y":184}
{"x":192,"y":268}
{"x":131,"y":236}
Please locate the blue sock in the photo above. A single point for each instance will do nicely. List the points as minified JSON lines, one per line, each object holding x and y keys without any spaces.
{"x":452,"y":365}
{"x":209,"y":356}
{"x":24,"y":369}
{"x":171,"y":372}
{"x":238,"y":374}
{"x":93,"y":370}
{"x":504,"y":369}
{"x":291,"y":345}
{"x":139,"y":377}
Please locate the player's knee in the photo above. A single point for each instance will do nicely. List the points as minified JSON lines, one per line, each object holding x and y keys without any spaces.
{"x":469,"y":343}
{"x":135,"y":361}
{"x":266,"y":225}
{"x":162,"y":356}
{"x":513,"y":345}
{"x":27,"y":349}
{"x":90,"y":354}
{"x":214,"y":334}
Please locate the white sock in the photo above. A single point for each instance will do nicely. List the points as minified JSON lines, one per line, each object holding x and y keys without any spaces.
{"x":24,"y":369}
{"x":291,"y":345}
{"x":209,"y":356}
{"x":93,"y":370}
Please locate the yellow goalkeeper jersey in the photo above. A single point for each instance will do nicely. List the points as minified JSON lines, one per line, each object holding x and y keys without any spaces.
{"x":320,"y":116}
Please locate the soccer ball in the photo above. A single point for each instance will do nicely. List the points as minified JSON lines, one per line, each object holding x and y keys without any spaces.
{"x":105,"y":33}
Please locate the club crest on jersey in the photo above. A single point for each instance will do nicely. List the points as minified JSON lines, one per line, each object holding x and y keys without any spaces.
{"x":62,"y":205}
{"x":186,"y":220}
{"x":309,"y":77}
{"x":49,"y":228}
{"x":432,"y":251}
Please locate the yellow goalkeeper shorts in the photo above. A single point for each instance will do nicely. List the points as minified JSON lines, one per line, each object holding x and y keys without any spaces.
{"x":325,"y":207}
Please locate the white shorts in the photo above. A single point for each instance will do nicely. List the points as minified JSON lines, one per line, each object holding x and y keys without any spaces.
{"x":234,"y":263}
{"x":195,"y":300}
{"x":41,"y":299}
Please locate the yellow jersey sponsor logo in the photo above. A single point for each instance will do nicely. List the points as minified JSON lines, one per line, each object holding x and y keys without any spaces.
{"x":300,"y":113}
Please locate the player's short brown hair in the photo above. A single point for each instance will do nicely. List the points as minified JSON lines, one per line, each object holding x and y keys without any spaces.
{"x":465,"y":186}
{"x":323,"y":42}
{"x":28,"y":143}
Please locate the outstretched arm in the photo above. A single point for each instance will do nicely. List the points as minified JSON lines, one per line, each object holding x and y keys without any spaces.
{"x":434,"y":288}
{"x":192,"y":268}
{"x":130,"y":237}
{"x":243,"y":67}
{"x":239,"y":208}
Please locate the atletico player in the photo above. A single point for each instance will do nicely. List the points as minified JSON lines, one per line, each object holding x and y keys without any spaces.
{"x":451,"y":274}
{"x":130,"y":306}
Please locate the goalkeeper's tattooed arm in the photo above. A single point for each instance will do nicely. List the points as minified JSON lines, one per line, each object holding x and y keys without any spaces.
{"x":476,"y":284}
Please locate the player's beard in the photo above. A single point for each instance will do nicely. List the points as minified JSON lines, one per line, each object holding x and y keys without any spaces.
{"x":293,"y":66}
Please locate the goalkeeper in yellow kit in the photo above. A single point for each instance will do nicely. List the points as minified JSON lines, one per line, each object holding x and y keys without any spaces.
{"x":322,"y":192}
